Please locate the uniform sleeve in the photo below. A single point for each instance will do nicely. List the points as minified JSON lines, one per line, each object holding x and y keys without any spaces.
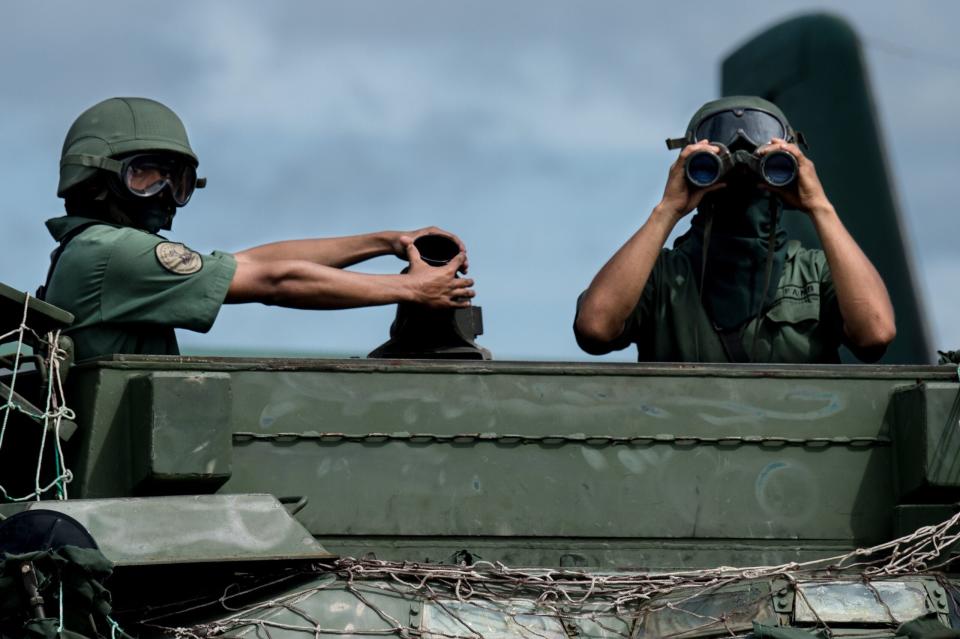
{"x":139,"y":288}
{"x":631,"y":326}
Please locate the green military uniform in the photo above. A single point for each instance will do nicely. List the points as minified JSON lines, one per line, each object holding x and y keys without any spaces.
{"x":802,"y":323}
{"x":129,"y":289}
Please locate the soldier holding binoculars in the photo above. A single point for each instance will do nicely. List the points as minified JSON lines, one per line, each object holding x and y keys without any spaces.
{"x":734,"y":287}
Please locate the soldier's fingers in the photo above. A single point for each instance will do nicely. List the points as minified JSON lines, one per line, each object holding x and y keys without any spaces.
{"x":690,"y":149}
{"x":706,"y":146}
{"x":457,"y":262}
{"x":413,"y":255}
{"x":778,"y":144}
{"x":465,"y":293}
{"x":464,"y":283}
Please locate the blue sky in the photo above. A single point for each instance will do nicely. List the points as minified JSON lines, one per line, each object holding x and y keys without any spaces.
{"x":534,"y":130}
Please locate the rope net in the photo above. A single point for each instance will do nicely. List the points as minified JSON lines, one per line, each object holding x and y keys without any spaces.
{"x":554,"y":604}
{"x":50,"y":420}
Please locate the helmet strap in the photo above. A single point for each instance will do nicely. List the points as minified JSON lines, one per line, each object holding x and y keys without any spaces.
{"x":93,"y":162}
{"x":677,"y":143}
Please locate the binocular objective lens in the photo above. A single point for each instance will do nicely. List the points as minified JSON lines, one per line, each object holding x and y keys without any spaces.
{"x":703,"y":168}
{"x":779,"y":168}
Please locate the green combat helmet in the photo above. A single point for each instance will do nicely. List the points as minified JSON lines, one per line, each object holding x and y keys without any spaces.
{"x":735,"y":103}
{"x":118,"y":127}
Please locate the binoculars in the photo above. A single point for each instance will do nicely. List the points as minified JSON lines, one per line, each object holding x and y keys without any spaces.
{"x":705,"y":168}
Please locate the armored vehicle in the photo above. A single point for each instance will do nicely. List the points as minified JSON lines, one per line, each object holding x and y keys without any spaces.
{"x":159,"y":496}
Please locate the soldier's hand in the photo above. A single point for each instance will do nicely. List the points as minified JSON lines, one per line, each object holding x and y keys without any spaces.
{"x":679,"y":196}
{"x":437,"y":286}
{"x":805,"y":193}
{"x":400,"y":249}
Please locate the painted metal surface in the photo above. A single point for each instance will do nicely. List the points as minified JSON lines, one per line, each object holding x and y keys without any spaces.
{"x":655,"y":465}
{"x":40,"y":316}
{"x":927,"y":435}
{"x":876,"y":602}
{"x":201,"y":528}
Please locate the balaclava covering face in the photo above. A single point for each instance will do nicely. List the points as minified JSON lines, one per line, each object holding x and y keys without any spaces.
{"x":151,"y":214}
{"x":733,"y":289}
{"x":740,"y":219}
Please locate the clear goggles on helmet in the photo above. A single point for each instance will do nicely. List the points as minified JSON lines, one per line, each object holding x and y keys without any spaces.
{"x":754,"y":126}
{"x":147,"y":174}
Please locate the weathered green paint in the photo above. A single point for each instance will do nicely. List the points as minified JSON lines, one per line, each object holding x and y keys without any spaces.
{"x":927,"y":440}
{"x":568,"y":499}
{"x":181,"y":442}
{"x":41,"y":317}
{"x":179,"y":530}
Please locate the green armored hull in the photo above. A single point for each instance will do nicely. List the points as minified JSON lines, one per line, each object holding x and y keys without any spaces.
{"x":659,"y":466}
{"x":515,"y":499}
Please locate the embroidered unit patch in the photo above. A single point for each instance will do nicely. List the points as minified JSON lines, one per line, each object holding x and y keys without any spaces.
{"x":177,"y":258}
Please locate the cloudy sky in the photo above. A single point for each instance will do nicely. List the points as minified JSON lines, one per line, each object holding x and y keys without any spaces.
{"x":532,"y":129}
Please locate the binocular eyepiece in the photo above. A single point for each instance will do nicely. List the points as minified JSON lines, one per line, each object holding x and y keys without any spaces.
{"x":705,"y":168}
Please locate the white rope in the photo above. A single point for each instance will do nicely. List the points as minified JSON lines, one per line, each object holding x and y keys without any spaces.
{"x":16,"y":367}
{"x":55,"y":411}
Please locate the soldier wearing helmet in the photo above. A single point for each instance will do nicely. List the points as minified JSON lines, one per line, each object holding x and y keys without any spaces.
{"x":735,"y":288}
{"x":126,"y":167}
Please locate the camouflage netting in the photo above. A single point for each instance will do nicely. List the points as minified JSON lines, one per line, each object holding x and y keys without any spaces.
{"x":949,"y":357}
{"x":50,"y":418}
{"x":356,"y":597}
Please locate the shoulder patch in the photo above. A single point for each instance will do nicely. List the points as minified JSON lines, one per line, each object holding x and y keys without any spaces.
{"x":177,"y":258}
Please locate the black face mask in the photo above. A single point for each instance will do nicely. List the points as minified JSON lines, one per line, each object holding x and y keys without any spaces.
{"x":110,"y":204}
{"x":151,"y":214}
{"x":740,"y":209}
{"x":733,"y":287}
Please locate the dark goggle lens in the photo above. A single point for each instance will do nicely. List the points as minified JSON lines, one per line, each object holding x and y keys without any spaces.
{"x":146,"y":176}
{"x":759,"y":127}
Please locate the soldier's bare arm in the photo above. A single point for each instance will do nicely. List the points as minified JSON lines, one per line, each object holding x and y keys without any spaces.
{"x":340,"y":252}
{"x":300,"y":283}
{"x":616,"y":289}
{"x":868,"y":318}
